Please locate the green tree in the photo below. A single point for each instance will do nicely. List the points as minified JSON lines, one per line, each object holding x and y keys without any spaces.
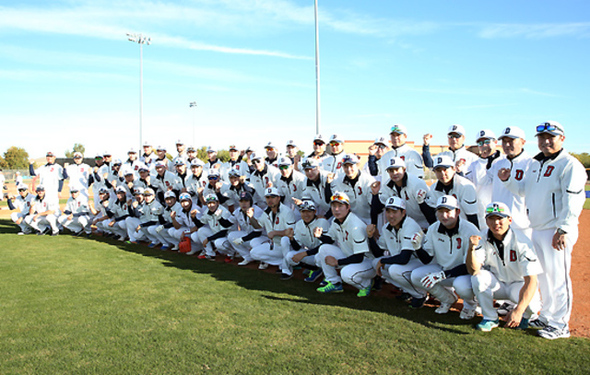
{"x":78,"y":147}
{"x":584,"y":158}
{"x":16,"y":158}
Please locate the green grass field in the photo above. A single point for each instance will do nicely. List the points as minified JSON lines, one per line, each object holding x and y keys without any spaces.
{"x":90,"y":306}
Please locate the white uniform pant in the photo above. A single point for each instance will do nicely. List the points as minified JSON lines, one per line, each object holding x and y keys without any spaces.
{"x":358,"y":275}
{"x":43,"y":222}
{"x":164,"y":236}
{"x":15,"y":216}
{"x":132,"y":223}
{"x":443,"y":289}
{"x":77,"y":224}
{"x":487,"y":288}
{"x":555,"y":282}
{"x":400,"y":275}
{"x":119,"y":228}
{"x":245,"y":248}
{"x":266,"y":253}
{"x":103,"y":226}
{"x":148,"y":234}
{"x":288,"y":263}
{"x":221,"y":244}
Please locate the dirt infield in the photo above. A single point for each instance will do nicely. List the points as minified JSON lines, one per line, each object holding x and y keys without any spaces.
{"x":580,"y":320}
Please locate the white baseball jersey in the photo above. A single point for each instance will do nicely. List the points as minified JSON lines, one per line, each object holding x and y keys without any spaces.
{"x":260,"y":180}
{"x":350,"y":236}
{"x":240,"y":166}
{"x":176,"y":207}
{"x":333,"y":163}
{"x":148,"y":159}
{"x":193,"y":183}
{"x":168,"y":181}
{"x":184,"y":217}
{"x":316,"y":191}
{"x":291,"y":187}
{"x":358,"y":191}
{"x":283,"y":219}
{"x":39,"y":206}
{"x":23,"y":204}
{"x":477,"y":174}
{"x":224,"y":192}
{"x":413,"y":190}
{"x":218,"y":220}
{"x":511,"y":261}
{"x":243,"y":221}
{"x":396,"y":241}
{"x":133,"y":166}
{"x":149,"y":212}
{"x":554,"y":191}
{"x":459,"y":154}
{"x":518,"y":166}
{"x":462,"y":189}
{"x":413,"y":160}
{"x":49,"y":176}
{"x":449,"y":247}
{"x":78,"y":206}
{"x":79,"y":175}
{"x":303,"y":232}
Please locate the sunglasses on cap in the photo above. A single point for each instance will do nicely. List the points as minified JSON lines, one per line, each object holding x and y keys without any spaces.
{"x":495,"y":209}
{"x":484,"y":142}
{"x":77,"y":157}
{"x":339,"y":198}
{"x":547,"y":127}
{"x":211,"y":198}
{"x":396,"y":129}
{"x":213,"y":177}
{"x":256,"y":161}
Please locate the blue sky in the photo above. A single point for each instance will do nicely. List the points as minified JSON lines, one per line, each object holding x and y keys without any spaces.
{"x":68,"y":74}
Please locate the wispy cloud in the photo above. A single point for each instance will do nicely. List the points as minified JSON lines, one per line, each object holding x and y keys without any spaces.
{"x":478,"y":91}
{"x":535,"y":31}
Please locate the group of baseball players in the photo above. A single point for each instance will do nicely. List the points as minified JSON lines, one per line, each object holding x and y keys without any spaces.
{"x":493,"y":226}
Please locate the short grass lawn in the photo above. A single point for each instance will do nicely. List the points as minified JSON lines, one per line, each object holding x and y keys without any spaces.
{"x":93,"y":306}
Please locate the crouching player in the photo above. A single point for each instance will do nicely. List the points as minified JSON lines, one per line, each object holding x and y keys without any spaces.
{"x":300,"y":245}
{"x":504,"y":266}
{"x":43,"y":213}
{"x":396,"y":247}
{"x":76,"y":216}
{"x":345,"y":247}
{"x":246,"y":237}
{"x":213,"y":227}
{"x":182,"y":223}
{"x":445,"y":249}
{"x":172,"y":208}
{"x":22,"y":202}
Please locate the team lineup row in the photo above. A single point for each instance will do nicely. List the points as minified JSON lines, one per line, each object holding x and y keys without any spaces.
{"x":352,"y":225}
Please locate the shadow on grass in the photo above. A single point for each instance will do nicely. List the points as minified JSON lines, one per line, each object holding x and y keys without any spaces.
{"x":296,"y":290}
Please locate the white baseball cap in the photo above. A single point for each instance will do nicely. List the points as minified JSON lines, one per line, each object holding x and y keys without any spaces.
{"x":396,"y":162}
{"x":255,"y":156}
{"x":310,"y":163}
{"x":380,"y":141}
{"x":443,"y":161}
{"x":319,"y":137}
{"x":307,"y":205}
{"x":340,"y":197}
{"x":196,"y":162}
{"x":455,"y":128}
{"x":497,"y":209}
{"x":211,"y":198}
{"x":211,"y":149}
{"x":271,"y":192}
{"x":336,"y":138}
{"x":550,"y":127}
{"x":395,"y":203}
{"x":285,"y":161}
{"x":485,"y":134}
{"x":350,"y":159}
{"x":399,"y":129}
{"x":447,"y":201}
{"x":169,"y":194}
{"x":512,"y":132}
{"x":291,"y":143}
{"x":270,"y":145}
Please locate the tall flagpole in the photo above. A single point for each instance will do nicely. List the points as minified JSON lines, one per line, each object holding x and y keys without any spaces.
{"x":317,"y":71}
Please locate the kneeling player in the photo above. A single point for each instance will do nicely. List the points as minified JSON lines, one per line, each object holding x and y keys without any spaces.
{"x":504,"y":266}
{"x":22,"y":203}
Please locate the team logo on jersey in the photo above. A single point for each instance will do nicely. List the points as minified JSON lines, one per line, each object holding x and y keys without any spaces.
{"x":549,"y":171}
{"x":512,"y":256}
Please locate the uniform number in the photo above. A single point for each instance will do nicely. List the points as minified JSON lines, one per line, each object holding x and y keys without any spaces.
{"x":512,"y":256}
{"x":459,"y":241}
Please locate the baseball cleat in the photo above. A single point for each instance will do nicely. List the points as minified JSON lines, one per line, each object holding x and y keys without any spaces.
{"x":228,"y":259}
{"x":365,"y":292}
{"x":552,"y":333}
{"x":263,"y":266}
{"x":245,"y":262}
{"x":313,"y":276}
{"x":285,"y":276}
{"x":524,"y":324}
{"x":404,"y":297}
{"x":324,"y":282}
{"x":467,"y":313}
{"x":331,"y":288}
{"x":417,"y":303}
{"x":487,"y":325}
{"x":537,"y":323}
{"x":443,"y":308}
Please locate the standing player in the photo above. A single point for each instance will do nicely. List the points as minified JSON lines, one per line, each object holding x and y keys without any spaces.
{"x":234,"y":162}
{"x":553,"y":188}
{"x":444,"y":252}
{"x":148,"y":155}
{"x":460,"y":156}
{"x":80,"y":174}
{"x":450,"y":183}
{"x":400,"y":149}
{"x":317,"y":186}
{"x":319,"y":149}
{"x":213,"y":162}
{"x":357,"y":186}
{"x":290,"y":184}
{"x":272,"y":155}
{"x":50,"y":177}
{"x":376,"y":152}
{"x":262,"y":178}
{"x":504,"y":266}
{"x":333,"y":163}
{"x":345,"y":247}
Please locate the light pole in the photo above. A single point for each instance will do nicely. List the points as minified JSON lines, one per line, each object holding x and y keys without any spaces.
{"x":193,"y":105}
{"x":141,"y":40}
{"x":317,"y":70}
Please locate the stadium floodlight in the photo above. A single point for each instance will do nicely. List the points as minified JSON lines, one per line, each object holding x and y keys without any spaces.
{"x":141,"y":40}
{"x":193,"y":105}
